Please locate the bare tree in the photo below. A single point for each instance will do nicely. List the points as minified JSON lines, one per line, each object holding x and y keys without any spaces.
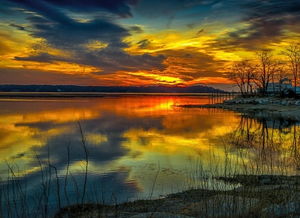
{"x":293,"y":54}
{"x":265,"y":70}
{"x":242,"y":75}
{"x":281,"y":75}
{"x":250,"y":73}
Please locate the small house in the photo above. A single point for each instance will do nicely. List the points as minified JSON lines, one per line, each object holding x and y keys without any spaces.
{"x":284,"y":85}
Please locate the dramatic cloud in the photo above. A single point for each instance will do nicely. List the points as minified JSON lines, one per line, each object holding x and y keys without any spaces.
{"x":193,"y":64}
{"x":139,"y":42}
{"x":119,"y":7}
{"x":42,"y":57}
{"x":63,"y":32}
{"x":144,"y":43}
{"x":19,"y":27}
{"x":265,"y":22}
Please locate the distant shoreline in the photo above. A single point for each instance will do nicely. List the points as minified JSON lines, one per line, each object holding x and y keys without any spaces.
{"x":96,"y":94}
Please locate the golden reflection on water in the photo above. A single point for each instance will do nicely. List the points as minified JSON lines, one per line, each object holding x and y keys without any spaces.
{"x":138,"y":134}
{"x":17,"y":136}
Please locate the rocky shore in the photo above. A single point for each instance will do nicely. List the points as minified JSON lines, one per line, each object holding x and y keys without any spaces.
{"x":258,"y":107}
{"x":257,"y":196}
{"x":265,"y":101}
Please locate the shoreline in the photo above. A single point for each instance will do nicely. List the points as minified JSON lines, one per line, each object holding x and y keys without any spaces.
{"x":95,"y":94}
{"x":287,"y":109}
{"x":257,"y":196}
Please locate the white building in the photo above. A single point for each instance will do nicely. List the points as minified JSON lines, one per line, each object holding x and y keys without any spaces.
{"x":284,"y":85}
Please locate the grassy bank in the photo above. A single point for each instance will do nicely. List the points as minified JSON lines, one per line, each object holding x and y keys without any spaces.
{"x":258,"y":196}
{"x":250,"y":196}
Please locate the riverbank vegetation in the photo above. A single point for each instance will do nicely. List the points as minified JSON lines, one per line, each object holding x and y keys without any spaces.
{"x":269,"y":73}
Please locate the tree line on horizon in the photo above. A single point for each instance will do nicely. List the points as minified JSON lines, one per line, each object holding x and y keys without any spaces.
{"x":255,"y":76}
{"x":109,"y":89}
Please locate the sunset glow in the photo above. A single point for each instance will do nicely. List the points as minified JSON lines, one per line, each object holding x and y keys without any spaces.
{"x":137,"y":42}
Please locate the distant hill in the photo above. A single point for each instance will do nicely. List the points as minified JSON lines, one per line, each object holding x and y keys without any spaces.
{"x":135,"y":89}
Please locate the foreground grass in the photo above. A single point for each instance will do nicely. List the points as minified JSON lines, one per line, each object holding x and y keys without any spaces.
{"x":258,"y":196}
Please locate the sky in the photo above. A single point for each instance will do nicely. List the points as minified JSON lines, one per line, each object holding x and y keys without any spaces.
{"x":138,"y":42}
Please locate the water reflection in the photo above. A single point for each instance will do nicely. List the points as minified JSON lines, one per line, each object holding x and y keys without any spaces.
{"x":268,"y":145}
{"x":138,"y":146}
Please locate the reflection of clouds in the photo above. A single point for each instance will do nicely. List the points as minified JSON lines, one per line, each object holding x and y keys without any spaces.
{"x":121,"y":133}
{"x":104,"y":137}
{"x":96,"y":139}
{"x":131,"y":121}
{"x":25,"y":124}
{"x":107,"y":151}
{"x":15,"y":140}
{"x":155,"y":141}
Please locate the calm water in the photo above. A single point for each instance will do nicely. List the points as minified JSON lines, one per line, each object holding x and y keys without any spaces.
{"x":137,"y":146}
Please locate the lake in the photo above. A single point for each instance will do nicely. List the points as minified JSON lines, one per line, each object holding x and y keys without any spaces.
{"x":61,"y":151}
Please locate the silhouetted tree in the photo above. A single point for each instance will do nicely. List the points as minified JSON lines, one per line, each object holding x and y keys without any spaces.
{"x":242,"y":75}
{"x":265,"y":70}
{"x":293,"y":54}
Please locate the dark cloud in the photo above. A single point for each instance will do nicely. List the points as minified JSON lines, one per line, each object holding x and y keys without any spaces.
{"x":144,"y":43}
{"x":119,"y":7}
{"x":108,"y":59}
{"x":136,"y":29}
{"x":199,"y":32}
{"x":19,"y":27}
{"x":271,"y":8}
{"x":267,"y":21}
{"x":42,"y":57}
{"x":66,"y":33}
{"x":63,"y":32}
{"x":194,"y":64}
{"x":122,"y":61}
